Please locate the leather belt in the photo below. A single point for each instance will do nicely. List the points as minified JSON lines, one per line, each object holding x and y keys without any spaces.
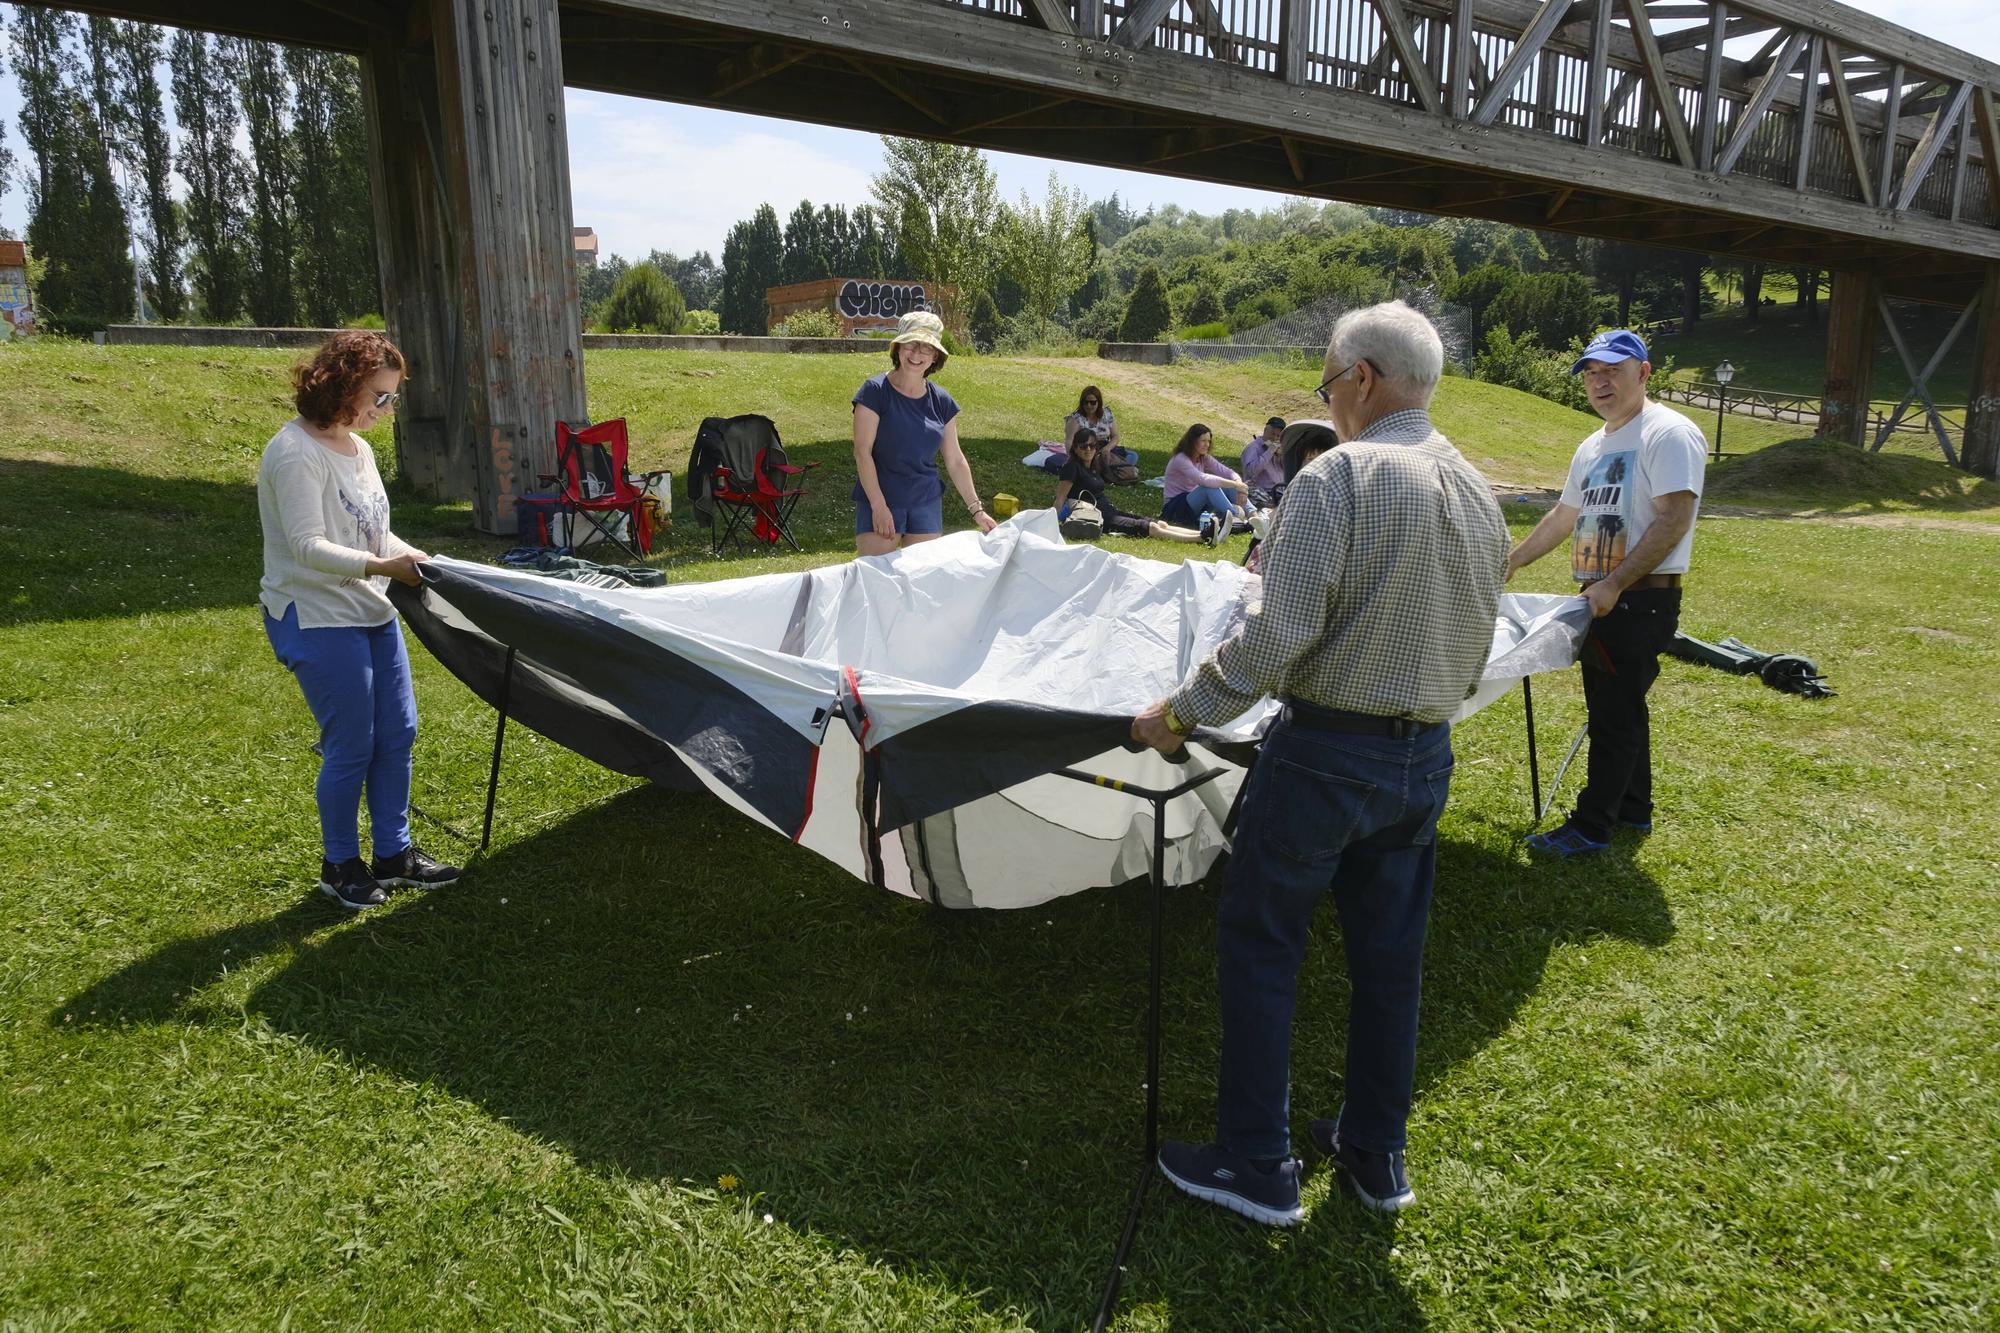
{"x":1650,"y":581}
{"x":1313,"y":716}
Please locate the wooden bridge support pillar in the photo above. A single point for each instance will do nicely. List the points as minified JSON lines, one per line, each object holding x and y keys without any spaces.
{"x":1981,"y":453}
{"x":472,"y":213}
{"x":1850,"y":359}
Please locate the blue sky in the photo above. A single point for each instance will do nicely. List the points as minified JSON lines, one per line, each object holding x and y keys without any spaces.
{"x":650,"y":175}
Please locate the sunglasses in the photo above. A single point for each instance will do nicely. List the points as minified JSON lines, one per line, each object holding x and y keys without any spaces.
{"x":388,"y":400}
{"x":1321,"y":392}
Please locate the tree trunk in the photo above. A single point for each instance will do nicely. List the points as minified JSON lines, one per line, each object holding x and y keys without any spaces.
{"x":1753,"y":291}
{"x":1691,"y":267}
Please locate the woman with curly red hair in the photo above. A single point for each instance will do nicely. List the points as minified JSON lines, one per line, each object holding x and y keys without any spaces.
{"x":328,"y":559}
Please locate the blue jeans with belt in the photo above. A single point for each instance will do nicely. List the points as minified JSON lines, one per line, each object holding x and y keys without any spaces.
{"x":356,"y":680}
{"x":1355,"y":814}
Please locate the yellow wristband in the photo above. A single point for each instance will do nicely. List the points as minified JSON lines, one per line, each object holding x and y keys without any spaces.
{"x":1173,"y":720}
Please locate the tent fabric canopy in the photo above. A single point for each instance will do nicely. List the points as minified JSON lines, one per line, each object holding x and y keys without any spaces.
{"x":905,"y":716}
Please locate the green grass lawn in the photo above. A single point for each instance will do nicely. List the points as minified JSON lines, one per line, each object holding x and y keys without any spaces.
{"x":1785,"y":352}
{"x":1741,"y":1074}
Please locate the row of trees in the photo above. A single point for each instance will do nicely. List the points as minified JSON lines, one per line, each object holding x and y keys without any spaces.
{"x":281,"y":235}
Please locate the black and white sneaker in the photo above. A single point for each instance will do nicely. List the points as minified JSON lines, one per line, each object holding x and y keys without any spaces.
{"x":1215,"y":1175}
{"x":350,"y":884}
{"x":412,"y":869}
{"x":1377,"y":1178}
{"x":1208,"y":529}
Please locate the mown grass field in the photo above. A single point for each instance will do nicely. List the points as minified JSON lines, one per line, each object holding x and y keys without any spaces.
{"x":649,"y":1066}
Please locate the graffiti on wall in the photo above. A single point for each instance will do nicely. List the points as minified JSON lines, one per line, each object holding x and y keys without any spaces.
{"x":17,"y":310}
{"x":859,"y":300}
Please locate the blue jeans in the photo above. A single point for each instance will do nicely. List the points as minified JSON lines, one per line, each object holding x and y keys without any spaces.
{"x":1187,"y":508}
{"x":1357,"y":815}
{"x":356,"y":680}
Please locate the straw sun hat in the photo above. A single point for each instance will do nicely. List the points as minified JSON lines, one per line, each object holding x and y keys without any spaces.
{"x":921,"y":326}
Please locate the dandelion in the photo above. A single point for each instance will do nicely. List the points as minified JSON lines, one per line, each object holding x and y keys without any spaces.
{"x":727,"y":1183}
{"x":768,"y":1219}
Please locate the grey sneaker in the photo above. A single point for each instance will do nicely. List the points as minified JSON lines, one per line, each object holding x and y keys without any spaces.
{"x":411,"y":869}
{"x":350,"y":884}
{"x":1377,"y":1178}
{"x":1210,"y":1173}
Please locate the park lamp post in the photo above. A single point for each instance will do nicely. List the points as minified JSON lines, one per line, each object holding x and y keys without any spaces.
{"x":1723,"y":374}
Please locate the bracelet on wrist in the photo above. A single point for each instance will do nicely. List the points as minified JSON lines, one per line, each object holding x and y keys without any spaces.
{"x":1173,"y":720}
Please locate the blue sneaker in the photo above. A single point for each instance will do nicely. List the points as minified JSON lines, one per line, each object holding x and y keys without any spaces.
{"x":1566,"y":841}
{"x":1637,"y":825}
{"x":1377,"y":1178}
{"x":1209,"y":1173}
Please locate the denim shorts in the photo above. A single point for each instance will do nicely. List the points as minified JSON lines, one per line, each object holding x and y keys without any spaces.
{"x":925,"y":518}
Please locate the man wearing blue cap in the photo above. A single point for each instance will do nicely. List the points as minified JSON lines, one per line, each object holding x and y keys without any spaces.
{"x":1629,"y":504}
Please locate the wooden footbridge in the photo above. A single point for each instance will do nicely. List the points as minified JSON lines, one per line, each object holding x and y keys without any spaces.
{"x":1793,"y":132}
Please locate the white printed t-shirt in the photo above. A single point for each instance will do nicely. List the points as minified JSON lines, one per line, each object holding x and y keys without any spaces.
{"x":1614,"y":480}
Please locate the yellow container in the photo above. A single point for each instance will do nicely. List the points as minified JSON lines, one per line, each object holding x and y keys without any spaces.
{"x":1005,"y":505}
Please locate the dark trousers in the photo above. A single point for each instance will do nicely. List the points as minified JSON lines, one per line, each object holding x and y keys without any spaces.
{"x":1621,"y":660}
{"x":1356,"y":815}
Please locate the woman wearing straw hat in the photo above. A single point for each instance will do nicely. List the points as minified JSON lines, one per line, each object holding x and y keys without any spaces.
{"x":902,"y":422}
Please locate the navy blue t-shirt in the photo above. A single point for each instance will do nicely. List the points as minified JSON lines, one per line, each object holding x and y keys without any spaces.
{"x":909,"y":433}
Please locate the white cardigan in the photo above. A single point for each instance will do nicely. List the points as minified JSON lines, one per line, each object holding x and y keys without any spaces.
{"x":323,"y":516}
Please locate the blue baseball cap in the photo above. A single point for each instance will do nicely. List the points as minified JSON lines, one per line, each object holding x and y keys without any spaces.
{"x":1611,"y":347}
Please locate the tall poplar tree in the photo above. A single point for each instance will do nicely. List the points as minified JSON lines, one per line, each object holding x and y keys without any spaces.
{"x":805,"y":258}
{"x":205,"y":104}
{"x":42,"y":61}
{"x":260,"y":83}
{"x":334,"y":255}
{"x":942,"y":202}
{"x":138,"y":58}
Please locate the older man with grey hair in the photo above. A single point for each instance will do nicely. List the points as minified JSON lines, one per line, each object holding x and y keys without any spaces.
{"x":1371,"y":625}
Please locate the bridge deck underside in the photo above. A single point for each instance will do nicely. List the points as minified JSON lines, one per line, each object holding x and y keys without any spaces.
{"x":1349,"y":147}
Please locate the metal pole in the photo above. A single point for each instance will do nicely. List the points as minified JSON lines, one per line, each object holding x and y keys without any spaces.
{"x":1108,"y":1304}
{"x":1534,"y":767}
{"x":1721,"y":395}
{"x":499,"y":736}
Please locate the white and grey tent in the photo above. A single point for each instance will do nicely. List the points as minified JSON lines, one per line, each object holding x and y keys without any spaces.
{"x":910,"y":717}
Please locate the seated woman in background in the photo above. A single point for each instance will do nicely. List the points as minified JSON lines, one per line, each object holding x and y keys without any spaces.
{"x":1300,"y":443}
{"x":1079,"y":481}
{"x":1092,"y":415}
{"x":1200,"y":489}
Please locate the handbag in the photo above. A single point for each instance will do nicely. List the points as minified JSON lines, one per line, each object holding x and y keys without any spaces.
{"x":1085,"y":522}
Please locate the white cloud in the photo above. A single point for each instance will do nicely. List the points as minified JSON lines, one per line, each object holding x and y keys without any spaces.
{"x":646,"y":176}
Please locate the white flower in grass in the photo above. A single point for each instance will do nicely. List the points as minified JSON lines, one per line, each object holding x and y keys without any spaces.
{"x":767,"y":1219}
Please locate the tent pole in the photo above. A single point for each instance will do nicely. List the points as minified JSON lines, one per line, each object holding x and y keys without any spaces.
{"x":1534,"y":768}
{"x":499,"y":737}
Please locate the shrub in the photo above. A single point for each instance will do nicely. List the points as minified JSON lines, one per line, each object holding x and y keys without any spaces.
{"x":1554,"y":307}
{"x":644,"y":301}
{"x":809,"y":324}
{"x":1259,"y":310}
{"x":1523,"y":363}
{"x":1148,"y":313}
{"x":1098,"y":321}
{"x":366,"y":322}
{"x":1208,"y":332}
{"x":985,"y":324}
{"x":701,"y":321}
{"x":1205,"y":307}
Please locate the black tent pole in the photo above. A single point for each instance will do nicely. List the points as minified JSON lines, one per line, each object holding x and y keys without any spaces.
{"x":1156,"y":967}
{"x":499,"y":736}
{"x":1534,"y":768}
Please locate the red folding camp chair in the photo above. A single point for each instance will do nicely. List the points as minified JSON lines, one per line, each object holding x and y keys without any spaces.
{"x":764,"y":501}
{"x":595,"y":491}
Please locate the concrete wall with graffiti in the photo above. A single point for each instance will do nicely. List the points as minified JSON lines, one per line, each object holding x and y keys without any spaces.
{"x":862,"y":305}
{"x":17,"y":303}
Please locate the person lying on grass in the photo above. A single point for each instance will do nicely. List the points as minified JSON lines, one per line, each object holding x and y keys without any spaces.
{"x":328,"y":559}
{"x":1080,"y":480}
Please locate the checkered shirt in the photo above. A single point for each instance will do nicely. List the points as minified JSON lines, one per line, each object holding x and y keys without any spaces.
{"x":1380,"y":582}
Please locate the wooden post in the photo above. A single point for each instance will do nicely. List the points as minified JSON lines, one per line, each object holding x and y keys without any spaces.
{"x":473,"y":210}
{"x":1850,"y":359}
{"x":416,"y":243}
{"x":1981,"y":451}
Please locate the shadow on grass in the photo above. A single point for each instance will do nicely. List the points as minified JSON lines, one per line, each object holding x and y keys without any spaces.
{"x":1809,"y":473}
{"x":89,"y":543}
{"x":667,"y":991}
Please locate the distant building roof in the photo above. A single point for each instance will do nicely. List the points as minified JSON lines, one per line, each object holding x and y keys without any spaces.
{"x":584,"y":239}
{"x":13,"y":254}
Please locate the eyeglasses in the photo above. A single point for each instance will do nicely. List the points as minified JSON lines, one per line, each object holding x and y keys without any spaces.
{"x":1321,"y":392}
{"x":389,"y":400}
